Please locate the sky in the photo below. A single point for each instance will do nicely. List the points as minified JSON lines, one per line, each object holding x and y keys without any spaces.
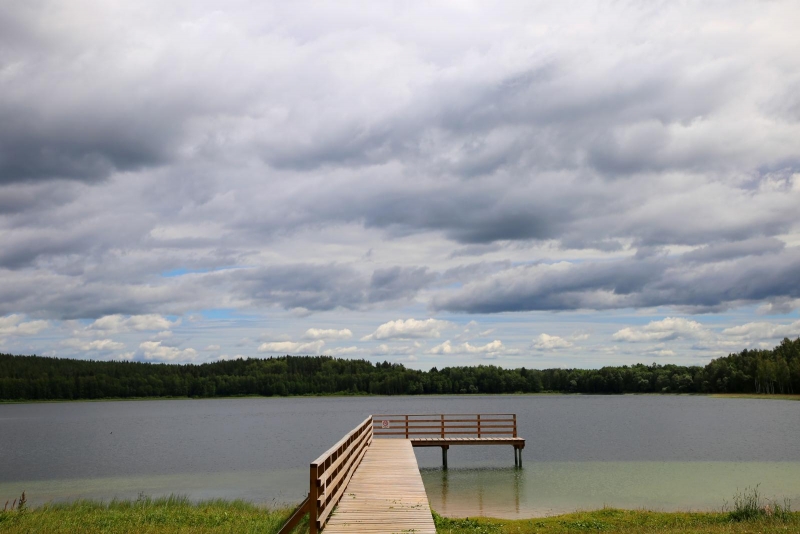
{"x":538,"y":184}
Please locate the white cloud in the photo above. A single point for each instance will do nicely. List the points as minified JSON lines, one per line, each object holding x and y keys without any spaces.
{"x":100,"y":345}
{"x":472,"y":331}
{"x":154,"y":350}
{"x":408,"y":329}
{"x":327,"y":334}
{"x":292,"y":347}
{"x":114,"y":324}
{"x":212,"y":348}
{"x":548,"y":342}
{"x":579,"y":335}
{"x":14,"y":325}
{"x":763,"y":330}
{"x":661,"y":353}
{"x":493,"y":349}
{"x":664,"y":330}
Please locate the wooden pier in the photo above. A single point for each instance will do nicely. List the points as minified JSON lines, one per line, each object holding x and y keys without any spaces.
{"x":386,"y":494}
{"x":369,"y":485}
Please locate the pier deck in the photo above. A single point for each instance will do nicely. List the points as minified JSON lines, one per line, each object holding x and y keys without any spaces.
{"x":385,"y":494}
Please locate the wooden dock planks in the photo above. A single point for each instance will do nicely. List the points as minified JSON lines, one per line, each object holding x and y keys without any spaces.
{"x":385,"y":495}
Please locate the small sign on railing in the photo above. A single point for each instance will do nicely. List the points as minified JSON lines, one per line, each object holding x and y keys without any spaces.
{"x":385,"y":423}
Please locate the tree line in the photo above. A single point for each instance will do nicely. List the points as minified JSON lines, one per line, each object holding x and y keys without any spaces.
{"x":43,"y":378}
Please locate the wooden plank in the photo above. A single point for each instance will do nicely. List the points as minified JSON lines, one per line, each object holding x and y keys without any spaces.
{"x":385,"y":494}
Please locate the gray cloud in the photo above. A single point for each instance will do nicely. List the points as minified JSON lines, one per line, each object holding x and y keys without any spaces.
{"x":631,"y":283}
{"x":170,"y":159}
{"x":398,"y":283}
{"x":725,"y":251}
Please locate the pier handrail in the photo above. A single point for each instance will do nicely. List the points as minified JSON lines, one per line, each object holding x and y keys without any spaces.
{"x":445,"y":425}
{"x":328,"y":477}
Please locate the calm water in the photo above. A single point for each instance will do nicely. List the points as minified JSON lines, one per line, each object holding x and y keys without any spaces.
{"x":582,"y":452}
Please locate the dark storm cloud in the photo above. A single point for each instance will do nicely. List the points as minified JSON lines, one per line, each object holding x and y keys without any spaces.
{"x":467,"y":217}
{"x":655,"y":280}
{"x":725,"y":251}
{"x":326,"y":287}
{"x":26,"y":198}
{"x":34,"y":148}
{"x":398,"y":283}
{"x":313,"y":287}
{"x":68,"y":297}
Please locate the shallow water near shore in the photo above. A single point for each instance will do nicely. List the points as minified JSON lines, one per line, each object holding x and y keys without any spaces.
{"x":543,"y":489}
{"x":582,"y":452}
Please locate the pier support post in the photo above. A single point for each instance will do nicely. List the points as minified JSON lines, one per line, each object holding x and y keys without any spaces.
{"x":444,"y":456}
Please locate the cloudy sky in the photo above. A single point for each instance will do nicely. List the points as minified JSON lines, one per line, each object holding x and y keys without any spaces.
{"x":536,"y":184}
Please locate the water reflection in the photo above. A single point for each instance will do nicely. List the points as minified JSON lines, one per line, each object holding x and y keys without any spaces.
{"x":485,"y":491}
{"x":548,"y":488}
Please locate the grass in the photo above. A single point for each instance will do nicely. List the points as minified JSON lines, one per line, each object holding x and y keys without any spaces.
{"x":145,"y":515}
{"x":611,"y":520}
{"x":748,"y":513}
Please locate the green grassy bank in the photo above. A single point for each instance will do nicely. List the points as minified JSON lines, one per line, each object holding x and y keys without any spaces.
{"x":178,"y":515}
{"x":144,"y":516}
{"x":611,"y":520}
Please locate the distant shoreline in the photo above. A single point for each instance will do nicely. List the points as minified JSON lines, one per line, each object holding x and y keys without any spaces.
{"x":763,"y":396}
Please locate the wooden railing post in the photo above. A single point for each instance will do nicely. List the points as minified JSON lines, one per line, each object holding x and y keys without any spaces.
{"x":406,"y":427}
{"x":479,"y":425}
{"x":442,"y":425}
{"x":313,"y":496}
{"x":515,"y":425}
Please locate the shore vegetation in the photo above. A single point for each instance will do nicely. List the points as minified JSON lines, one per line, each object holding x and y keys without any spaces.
{"x":748,"y":512}
{"x":34,"y":378}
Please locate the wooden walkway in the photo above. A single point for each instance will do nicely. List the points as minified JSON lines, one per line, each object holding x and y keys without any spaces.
{"x":385,"y":494}
{"x":371,"y":485}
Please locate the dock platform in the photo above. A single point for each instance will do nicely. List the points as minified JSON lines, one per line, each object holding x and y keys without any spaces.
{"x":386,"y":494}
{"x":368,"y":485}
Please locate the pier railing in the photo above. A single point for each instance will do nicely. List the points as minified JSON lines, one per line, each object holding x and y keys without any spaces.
{"x":329,"y":476}
{"x":445,"y":425}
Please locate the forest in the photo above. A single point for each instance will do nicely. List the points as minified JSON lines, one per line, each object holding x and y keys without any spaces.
{"x":44,"y":378}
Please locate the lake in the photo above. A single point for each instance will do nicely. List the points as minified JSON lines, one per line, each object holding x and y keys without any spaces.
{"x":582,"y":452}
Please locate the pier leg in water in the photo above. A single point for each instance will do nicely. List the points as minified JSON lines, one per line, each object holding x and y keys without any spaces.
{"x":444,"y":456}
